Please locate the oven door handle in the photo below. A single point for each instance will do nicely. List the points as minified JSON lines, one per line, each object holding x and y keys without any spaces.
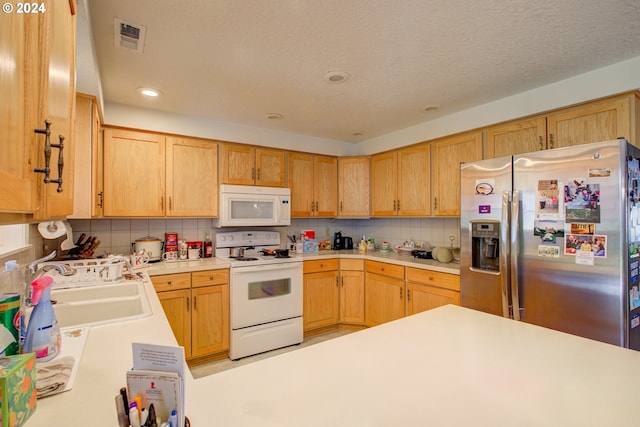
{"x":268,"y":267}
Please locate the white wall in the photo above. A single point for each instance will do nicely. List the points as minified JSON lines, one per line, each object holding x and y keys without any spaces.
{"x":616,"y":78}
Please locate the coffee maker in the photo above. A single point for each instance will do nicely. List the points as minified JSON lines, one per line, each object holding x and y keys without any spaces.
{"x":338,"y":241}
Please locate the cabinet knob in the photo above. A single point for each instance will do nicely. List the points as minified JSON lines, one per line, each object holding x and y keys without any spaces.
{"x":210,"y":277}
{"x":170,"y":282}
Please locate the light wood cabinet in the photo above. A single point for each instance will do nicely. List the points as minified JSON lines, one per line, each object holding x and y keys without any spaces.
{"x":152,"y":175}
{"x":192,"y":177}
{"x":354,"y":190}
{"x":384,"y":292}
{"x":320,"y":294}
{"x":448,"y":153}
{"x":38,"y":85}
{"x":428,"y":289}
{"x":247,"y":165}
{"x":87,"y":200}
{"x":595,"y":121}
{"x":401,"y":182}
{"x":197,"y":307}
{"x":517,"y":138}
{"x":352,"y":291}
{"x":600,"y":121}
{"x":314,"y":185}
{"x":134,"y":173}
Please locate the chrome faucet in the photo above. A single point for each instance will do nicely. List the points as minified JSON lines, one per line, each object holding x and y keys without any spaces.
{"x":40,"y":266}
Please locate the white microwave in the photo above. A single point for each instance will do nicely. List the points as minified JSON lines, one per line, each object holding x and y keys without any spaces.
{"x":249,"y":206}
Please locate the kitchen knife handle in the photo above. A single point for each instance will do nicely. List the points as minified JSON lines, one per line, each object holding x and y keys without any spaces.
{"x":541,"y":140}
{"x":550,"y":140}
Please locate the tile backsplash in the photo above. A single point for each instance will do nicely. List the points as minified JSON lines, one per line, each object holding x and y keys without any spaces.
{"x":116,"y":235}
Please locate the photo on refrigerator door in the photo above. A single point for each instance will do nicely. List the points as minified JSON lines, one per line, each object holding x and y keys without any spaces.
{"x":582,"y":201}
{"x":548,"y":199}
{"x":596,"y":244}
{"x":548,"y":230}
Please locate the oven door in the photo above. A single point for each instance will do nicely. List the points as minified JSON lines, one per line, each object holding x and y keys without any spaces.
{"x":265,"y":293}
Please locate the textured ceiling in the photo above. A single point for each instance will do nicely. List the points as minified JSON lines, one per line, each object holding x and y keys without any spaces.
{"x":236,"y":61}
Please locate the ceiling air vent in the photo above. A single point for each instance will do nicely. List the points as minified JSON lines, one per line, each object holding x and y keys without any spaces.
{"x":128,"y":36}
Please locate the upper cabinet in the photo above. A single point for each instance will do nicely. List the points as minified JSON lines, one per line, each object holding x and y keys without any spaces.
{"x":149,"y":174}
{"x":87,"y":200}
{"x":247,"y":165}
{"x":354,"y":186}
{"x":314,"y":185}
{"x":401,"y":182}
{"x":596,"y":121}
{"x":192,"y":177}
{"x":38,"y":87}
{"x":448,"y":153}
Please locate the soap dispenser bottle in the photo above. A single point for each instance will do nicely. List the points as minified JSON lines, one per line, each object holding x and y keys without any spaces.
{"x":43,"y":333}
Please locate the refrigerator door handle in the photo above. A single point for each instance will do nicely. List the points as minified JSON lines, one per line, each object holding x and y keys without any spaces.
{"x":504,"y":253}
{"x":513,"y":255}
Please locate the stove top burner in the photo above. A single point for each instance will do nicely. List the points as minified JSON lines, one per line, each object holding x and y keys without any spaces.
{"x":241,"y":258}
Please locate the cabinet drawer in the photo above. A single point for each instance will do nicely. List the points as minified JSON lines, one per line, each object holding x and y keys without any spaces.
{"x":352,"y":264}
{"x":209,"y":277}
{"x":434,"y":278}
{"x":385,"y":269}
{"x":320,"y":265}
{"x":171,"y":282}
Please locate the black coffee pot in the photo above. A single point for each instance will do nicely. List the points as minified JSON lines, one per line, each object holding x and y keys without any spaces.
{"x":338,"y":242}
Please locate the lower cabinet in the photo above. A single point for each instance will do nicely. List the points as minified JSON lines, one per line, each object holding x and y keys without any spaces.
{"x":352,"y":291}
{"x":197,"y":307}
{"x":430,"y":289}
{"x":320,"y":293}
{"x":384,"y":290}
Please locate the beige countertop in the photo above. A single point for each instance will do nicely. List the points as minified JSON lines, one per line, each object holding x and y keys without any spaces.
{"x":447,"y":366}
{"x":158,"y":268}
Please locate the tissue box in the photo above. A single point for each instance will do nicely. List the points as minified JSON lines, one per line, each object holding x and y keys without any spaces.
{"x":310,"y":245}
{"x":17,"y":389}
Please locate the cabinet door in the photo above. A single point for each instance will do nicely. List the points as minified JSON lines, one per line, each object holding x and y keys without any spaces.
{"x":134,"y":181}
{"x":238,"y":164}
{"x":300,"y":181}
{"x":414,"y":181}
{"x":192,"y":177}
{"x":16,"y":174}
{"x":517,"y":138}
{"x":424,"y":297}
{"x":177,"y":308}
{"x":326,"y":186}
{"x":270,"y":166}
{"x":210,"y":320}
{"x":354,"y":186}
{"x":352,"y":296}
{"x":85,"y":156}
{"x":320,"y":299}
{"x":57,"y":104}
{"x":448,"y":153}
{"x":384,"y":300}
{"x":594,"y":123}
{"x":384,"y":171}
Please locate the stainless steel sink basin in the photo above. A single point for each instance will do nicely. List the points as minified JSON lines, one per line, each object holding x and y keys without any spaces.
{"x":100,"y":304}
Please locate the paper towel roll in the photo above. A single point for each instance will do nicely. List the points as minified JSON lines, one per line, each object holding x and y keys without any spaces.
{"x":52,"y":229}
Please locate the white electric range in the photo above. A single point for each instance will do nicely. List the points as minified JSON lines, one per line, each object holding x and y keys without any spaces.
{"x":266,"y":293}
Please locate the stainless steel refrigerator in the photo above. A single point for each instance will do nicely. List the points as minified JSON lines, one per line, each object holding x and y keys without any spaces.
{"x":551,"y":238}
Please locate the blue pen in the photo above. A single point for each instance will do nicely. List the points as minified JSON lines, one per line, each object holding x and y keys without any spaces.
{"x":173,"y":419}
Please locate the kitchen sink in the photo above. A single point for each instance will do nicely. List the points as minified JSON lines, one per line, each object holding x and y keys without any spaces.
{"x":100,"y":304}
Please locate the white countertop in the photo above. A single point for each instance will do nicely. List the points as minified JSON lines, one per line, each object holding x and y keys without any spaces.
{"x":158,"y":268}
{"x":448,"y":366}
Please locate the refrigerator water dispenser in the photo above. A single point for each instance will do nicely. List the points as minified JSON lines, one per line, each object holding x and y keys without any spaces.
{"x":485,"y":244}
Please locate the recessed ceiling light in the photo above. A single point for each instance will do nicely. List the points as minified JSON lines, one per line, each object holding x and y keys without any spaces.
{"x":429,"y":108}
{"x":274,"y":116}
{"x":336,"y":76}
{"x":147,"y":91}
